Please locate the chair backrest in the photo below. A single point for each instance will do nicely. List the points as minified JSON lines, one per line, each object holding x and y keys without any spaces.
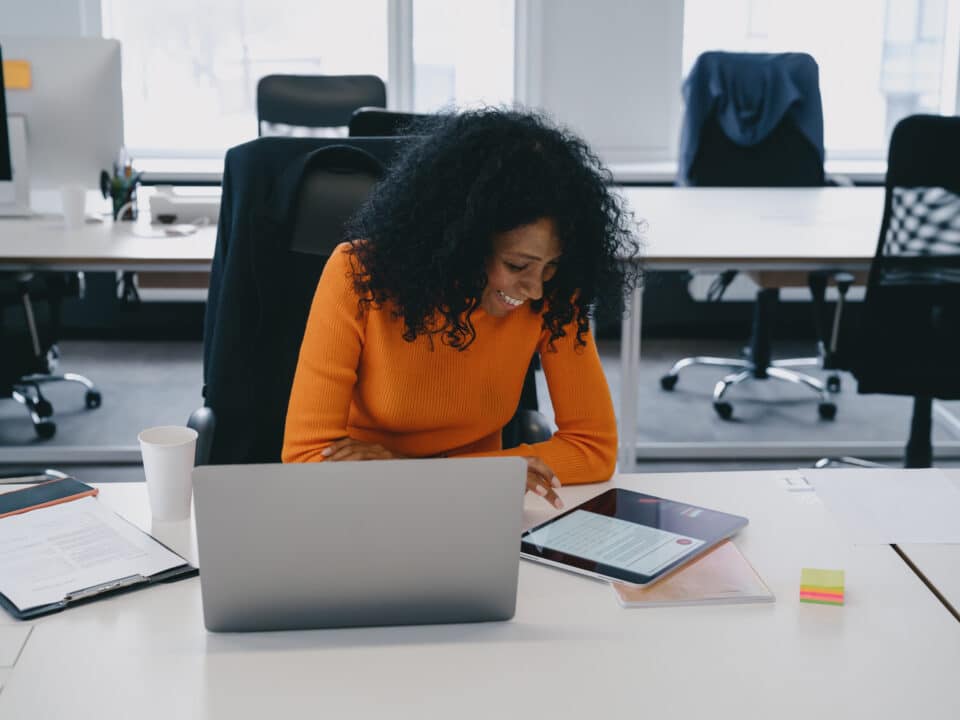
{"x":285,"y":202}
{"x":909,"y":339}
{"x":377,"y":122}
{"x":316,"y":101}
{"x":752,"y":119}
{"x":785,"y":158}
{"x":333,"y":186}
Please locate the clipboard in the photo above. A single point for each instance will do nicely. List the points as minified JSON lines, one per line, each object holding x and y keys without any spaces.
{"x":56,"y":492}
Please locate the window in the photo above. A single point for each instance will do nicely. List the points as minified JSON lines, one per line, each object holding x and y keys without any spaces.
{"x":462,"y":53}
{"x":880,"y":60}
{"x":190,"y":69}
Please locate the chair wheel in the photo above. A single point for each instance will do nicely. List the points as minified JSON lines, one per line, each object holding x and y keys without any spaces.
{"x":827,"y":411}
{"x":724,"y":410}
{"x":668,"y":382}
{"x":833,"y":383}
{"x":93,"y":399}
{"x":43,"y":408}
{"x":46,"y":429}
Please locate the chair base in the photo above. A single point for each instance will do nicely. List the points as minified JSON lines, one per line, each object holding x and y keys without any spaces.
{"x":42,"y":368}
{"x":745,"y":370}
{"x":26,"y":391}
{"x":758,"y":365}
{"x":918,"y":452}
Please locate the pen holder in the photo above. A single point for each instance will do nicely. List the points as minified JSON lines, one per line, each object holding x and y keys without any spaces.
{"x":125,"y":203}
{"x":122,"y":191}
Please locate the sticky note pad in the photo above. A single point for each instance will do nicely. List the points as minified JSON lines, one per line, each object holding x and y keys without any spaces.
{"x":16,"y":75}
{"x":824,"y":587}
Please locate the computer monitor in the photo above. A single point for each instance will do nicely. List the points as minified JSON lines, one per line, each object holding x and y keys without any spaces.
{"x":72,"y":107}
{"x":6,"y":170}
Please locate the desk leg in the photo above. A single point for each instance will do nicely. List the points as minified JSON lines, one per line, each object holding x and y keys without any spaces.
{"x":629,"y":372}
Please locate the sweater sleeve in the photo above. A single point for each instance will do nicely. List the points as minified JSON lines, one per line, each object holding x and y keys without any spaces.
{"x":584,"y":448}
{"x":327,"y":367}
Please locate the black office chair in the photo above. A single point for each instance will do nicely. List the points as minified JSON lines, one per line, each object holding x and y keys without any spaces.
{"x":316,"y":101}
{"x":29,"y":358}
{"x":374,"y":122}
{"x":908,"y":339}
{"x":528,"y":425}
{"x":285,"y":201}
{"x":753,"y":120}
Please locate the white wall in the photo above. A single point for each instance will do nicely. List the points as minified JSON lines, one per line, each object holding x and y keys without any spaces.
{"x":610,"y":69}
{"x":50,"y":17}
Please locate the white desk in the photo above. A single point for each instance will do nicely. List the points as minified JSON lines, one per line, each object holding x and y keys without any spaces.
{"x":757,"y":228}
{"x":686,"y":228}
{"x":940,"y":564}
{"x":42,"y":242}
{"x":570,"y":652}
{"x":773,"y":229}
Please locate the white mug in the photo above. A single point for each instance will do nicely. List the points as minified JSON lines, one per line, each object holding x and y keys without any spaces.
{"x":74,"y":201}
{"x":168,"y":453}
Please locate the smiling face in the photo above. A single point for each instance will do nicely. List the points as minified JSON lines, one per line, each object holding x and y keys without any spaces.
{"x":522,"y":260}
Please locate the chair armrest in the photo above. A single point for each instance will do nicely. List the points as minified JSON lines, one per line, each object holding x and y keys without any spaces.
{"x":204,"y":422}
{"x":838,"y":181}
{"x":526,"y":427}
{"x":532,"y":427}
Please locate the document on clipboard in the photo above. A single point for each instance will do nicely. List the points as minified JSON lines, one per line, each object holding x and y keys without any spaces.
{"x":59,"y":545}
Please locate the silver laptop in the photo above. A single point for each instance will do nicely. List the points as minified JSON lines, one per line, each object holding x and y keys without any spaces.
{"x":392,"y":542}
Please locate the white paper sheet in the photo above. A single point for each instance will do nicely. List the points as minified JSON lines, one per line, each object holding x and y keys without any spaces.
{"x":49,"y":553}
{"x":880,"y":506}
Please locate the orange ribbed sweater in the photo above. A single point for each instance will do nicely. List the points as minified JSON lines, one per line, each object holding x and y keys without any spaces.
{"x":357,"y":376}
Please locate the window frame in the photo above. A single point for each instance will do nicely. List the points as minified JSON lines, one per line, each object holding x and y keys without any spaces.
{"x":167,"y":167}
{"x":530,"y":75}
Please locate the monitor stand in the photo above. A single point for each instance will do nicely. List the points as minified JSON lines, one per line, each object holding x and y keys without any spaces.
{"x":15,"y":195}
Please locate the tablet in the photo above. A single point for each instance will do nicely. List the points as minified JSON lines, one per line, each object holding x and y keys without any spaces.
{"x":628,"y":536}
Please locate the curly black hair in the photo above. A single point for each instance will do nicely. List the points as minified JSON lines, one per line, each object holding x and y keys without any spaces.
{"x":427,"y":228}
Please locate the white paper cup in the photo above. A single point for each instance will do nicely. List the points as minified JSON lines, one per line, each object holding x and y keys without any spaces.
{"x":168,"y":453}
{"x":74,"y":202}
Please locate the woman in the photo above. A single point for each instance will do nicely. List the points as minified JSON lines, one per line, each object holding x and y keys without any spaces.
{"x":492,"y":237}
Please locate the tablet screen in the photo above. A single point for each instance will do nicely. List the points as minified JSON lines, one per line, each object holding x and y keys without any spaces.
{"x":628,"y":536}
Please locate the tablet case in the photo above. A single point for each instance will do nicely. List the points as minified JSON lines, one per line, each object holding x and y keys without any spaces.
{"x":60,"y":491}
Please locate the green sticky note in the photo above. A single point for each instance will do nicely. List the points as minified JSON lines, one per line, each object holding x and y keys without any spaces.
{"x":815,"y":577}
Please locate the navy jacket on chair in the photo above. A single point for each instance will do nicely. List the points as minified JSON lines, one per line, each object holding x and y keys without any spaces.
{"x":746,"y":98}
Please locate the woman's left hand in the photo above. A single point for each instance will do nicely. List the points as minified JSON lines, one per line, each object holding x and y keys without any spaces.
{"x":349,"y":449}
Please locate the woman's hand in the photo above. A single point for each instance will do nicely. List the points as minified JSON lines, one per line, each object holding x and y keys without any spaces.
{"x":540,"y":478}
{"x":349,"y":449}
{"x":542,"y":481}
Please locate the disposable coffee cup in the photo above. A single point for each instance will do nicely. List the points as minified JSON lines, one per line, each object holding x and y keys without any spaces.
{"x":168,"y":452}
{"x":74,"y":201}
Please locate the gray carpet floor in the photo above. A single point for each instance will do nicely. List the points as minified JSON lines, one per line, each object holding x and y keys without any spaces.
{"x":158,"y":383}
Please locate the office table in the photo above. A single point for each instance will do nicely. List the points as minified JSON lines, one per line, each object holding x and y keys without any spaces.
{"x":570,"y":652}
{"x":772,"y":229}
{"x":43,"y":243}
{"x":747,"y":229}
{"x":940,"y":564}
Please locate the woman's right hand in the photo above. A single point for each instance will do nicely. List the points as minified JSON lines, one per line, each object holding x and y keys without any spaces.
{"x":542,"y":481}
